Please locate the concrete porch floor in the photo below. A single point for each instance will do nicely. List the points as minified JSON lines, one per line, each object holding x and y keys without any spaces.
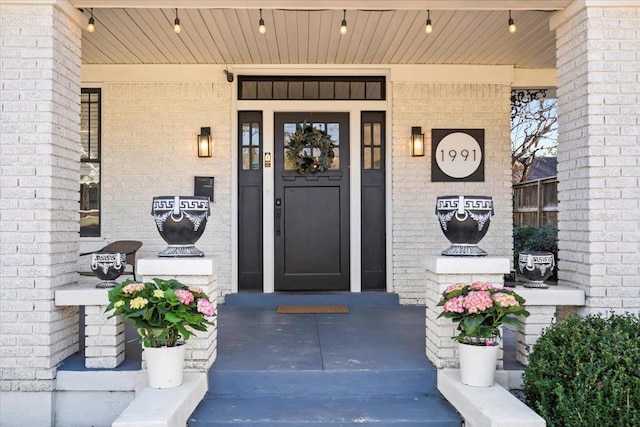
{"x":314,"y":369}
{"x":319,"y":341}
{"x":367,"y":366}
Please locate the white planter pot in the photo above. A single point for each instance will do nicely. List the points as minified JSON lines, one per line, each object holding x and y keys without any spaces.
{"x":477,"y":364}
{"x":165,"y":366}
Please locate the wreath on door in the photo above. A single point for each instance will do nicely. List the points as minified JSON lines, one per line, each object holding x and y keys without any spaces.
{"x":306,"y":141}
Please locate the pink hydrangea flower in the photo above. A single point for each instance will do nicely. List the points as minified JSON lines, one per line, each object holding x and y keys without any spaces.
{"x":184,"y":296}
{"x":505,"y":300}
{"x":454,"y":305}
{"x":481,"y":286}
{"x":477,"y":301}
{"x":205,"y":307}
{"x":454,"y":287}
{"x":133,"y":287}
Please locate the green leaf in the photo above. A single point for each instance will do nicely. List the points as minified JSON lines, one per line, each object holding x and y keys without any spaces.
{"x":471,"y":323}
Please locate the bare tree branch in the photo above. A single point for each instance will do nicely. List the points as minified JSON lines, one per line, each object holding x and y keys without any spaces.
{"x":534,"y":124}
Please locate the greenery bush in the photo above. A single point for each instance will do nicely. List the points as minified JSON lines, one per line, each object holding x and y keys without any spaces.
{"x":532,"y":238}
{"x":586,"y":372}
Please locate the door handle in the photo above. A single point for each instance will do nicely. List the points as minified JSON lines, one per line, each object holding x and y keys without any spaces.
{"x":277,"y":217}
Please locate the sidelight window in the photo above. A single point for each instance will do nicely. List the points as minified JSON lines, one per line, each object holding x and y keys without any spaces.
{"x":90,"y":162}
{"x":250,"y":146}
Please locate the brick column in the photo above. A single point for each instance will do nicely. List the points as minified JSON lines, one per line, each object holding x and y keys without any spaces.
{"x":442,"y":272}
{"x":202,"y":347}
{"x":40,"y":140}
{"x":104,"y":338}
{"x":599,"y":153}
{"x":527,"y":334}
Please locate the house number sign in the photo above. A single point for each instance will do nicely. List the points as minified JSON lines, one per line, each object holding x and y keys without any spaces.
{"x":457,"y":155}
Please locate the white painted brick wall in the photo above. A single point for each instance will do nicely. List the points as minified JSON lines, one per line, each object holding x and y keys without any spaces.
{"x":149,"y":149}
{"x":416,"y":232}
{"x":39,"y":163}
{"x":599,"y":156}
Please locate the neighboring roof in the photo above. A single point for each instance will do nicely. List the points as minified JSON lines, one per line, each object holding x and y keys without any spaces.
{"x":542,"y":167}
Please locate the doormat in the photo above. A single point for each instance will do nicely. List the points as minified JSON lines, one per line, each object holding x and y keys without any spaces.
{"x":312,"y":309}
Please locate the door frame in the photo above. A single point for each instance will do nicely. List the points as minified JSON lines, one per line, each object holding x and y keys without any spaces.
{"x":269,"y":108}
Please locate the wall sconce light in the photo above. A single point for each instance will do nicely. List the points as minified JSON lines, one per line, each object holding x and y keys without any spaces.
{"x":417,"y":142}
{"x":204,"y":142}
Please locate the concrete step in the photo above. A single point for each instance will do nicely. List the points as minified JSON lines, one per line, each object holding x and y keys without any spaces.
{"x":363,"y":299}
{"x":337,"y":411}
{"x":324,"y":384}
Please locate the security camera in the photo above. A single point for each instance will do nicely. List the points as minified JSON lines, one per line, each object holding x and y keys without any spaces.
{"x":229,"y":76}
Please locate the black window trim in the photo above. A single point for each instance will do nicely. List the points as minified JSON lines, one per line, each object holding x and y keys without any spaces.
{"x":335,"y":79}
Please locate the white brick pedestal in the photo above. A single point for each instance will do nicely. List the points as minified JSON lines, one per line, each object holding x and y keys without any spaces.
{"x":104,"y":337}
{"x":201,"y":346}
{"x":542,"y":305}
{"x":442,"y":272}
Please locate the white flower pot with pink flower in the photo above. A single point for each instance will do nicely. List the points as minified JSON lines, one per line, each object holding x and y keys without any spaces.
{"x":166,"y":313}
{"x":480,"y":309}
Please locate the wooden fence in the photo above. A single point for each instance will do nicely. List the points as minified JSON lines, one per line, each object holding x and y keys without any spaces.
{"x":536,"y":202}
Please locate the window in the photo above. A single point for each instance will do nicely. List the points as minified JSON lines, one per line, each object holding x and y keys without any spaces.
{"x":90,"y":163}
{"x":332,"y":129}
{"x":311,"y":88}
{"x":250,"y":145}
{"x":371,"y":145}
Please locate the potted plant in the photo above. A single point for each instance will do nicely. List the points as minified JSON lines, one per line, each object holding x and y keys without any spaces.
{"x":165,"y":313}
{"x":535,"y":249}
{"x":480,"y":309}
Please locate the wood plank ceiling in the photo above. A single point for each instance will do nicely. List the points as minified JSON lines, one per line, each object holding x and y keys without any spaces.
{"x":230,"y":36}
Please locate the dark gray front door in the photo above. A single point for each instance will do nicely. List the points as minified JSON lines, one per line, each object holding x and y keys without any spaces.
{"x":312,"y":210}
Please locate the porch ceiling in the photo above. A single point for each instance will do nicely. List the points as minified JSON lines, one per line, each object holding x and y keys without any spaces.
{"x":226,"y":32}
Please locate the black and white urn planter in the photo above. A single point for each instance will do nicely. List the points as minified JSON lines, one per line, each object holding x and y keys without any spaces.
{"x":108,"y":266}
{"x":464,"y":220}
{"x":536,"y":267}
{"x":180,"y":220}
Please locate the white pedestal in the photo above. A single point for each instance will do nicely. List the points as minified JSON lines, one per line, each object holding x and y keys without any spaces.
{"x":104,"y":337}
{"x":202,"y":347}
{"x":542,"y":305}
{"x":442,"y":272}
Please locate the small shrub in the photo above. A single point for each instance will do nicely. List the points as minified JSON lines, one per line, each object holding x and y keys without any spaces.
{"x":586,"y":372}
